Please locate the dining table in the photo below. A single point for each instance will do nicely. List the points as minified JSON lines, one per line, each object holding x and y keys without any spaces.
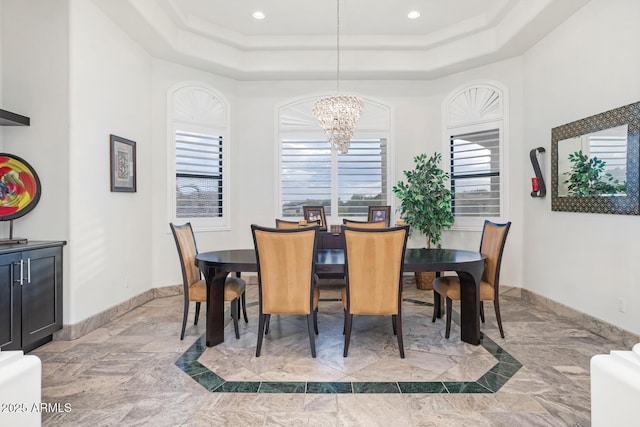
{"x":468,"y":265}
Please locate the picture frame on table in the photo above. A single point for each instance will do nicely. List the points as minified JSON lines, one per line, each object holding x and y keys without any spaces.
{"x":380,"y":213}
{"x":123,"y":164}
{"x":315,"y":213}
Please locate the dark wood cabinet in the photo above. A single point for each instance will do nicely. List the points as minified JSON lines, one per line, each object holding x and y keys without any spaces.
{"x":30,"y":294}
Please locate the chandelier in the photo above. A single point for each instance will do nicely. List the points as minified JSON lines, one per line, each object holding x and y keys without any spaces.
{"x":338,"y":114}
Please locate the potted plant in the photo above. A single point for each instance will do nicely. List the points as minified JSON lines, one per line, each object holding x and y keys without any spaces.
{"x":425,"y":203}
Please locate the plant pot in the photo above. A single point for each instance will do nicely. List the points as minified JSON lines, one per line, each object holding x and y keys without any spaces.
{"x":424,"y":280}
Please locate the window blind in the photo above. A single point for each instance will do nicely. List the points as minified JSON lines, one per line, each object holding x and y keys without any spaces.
{"x":362,"y":177}
{"x":475,"y":173}
{"x":311,"y":175}
{"x":198,"y":175}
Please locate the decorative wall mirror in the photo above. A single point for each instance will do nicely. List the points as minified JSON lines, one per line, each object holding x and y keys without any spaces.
{"x":594,"y":163}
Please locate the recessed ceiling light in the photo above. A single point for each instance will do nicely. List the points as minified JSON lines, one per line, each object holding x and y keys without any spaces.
{"x":414,"y":14}
{"x":258,"y":15}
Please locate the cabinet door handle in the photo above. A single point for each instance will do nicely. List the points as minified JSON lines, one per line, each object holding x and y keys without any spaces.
{"x":28,"y":270}
{"x":21,"y":272}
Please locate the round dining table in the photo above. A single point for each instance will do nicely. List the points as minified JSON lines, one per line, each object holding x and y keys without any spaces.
{"x":468,"y":265}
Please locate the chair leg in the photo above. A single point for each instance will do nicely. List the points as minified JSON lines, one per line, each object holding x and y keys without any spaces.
{"x":184,"y":317}
{"x":235,"y":315}
{"x":436,"y":305}
{"x":195,"y":322}
{"x":344,"y":321}
{"x":481,"y":311}
{"x":315,"y":321}
{"x":496,"y":304}
{"x":261,"y":323}
{"x":244,"y":308}
{"x":267,"y":321}
{"x":312,"y":337}
{"x":398,"y":323}
{"x":393,"y":323}
{"x":448,"y":328}
{"x":348,"y":320}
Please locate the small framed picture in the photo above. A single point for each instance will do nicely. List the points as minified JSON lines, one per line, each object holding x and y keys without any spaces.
{"x":380,"y":213}
{"x":315,"y":213}
{"x":123,"y":164}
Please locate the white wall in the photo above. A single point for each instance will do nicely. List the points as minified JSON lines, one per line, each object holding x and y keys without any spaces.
{"x":109,"y":243}
{"x":35,"y":84}
{"x":417,"y":123}
{"x":588,"y":65}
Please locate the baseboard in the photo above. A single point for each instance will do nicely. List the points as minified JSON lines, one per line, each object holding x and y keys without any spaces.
{"x":585,"y":321}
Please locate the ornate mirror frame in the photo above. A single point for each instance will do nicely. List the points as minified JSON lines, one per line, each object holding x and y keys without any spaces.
{"x":626,"y":205}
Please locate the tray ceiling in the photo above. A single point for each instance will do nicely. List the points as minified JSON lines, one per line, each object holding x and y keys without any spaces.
{"x":297,"y":39}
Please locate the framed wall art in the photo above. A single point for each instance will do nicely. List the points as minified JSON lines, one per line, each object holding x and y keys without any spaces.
{"x":123,"y":164}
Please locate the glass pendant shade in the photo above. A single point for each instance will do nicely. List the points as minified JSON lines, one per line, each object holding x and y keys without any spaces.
{"x":338,"y":116}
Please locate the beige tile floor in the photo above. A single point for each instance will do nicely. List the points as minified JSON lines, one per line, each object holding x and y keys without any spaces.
{"x":125,"y":373}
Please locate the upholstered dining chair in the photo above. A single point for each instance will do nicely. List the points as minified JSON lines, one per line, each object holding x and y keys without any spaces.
{"x":374,"y":260}
{"x":492,"y":241}
{"x":195,"y":288}
{"x":364,"y":224}
{"x":286,"y":268}
{"x":282,"y":223}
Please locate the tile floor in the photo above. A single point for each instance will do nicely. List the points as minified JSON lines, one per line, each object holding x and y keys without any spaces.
{"x":136,"y":371}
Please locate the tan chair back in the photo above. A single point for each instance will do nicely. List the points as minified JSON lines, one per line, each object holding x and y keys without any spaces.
{"x":364,"y":224}
{"x":281,"y":223}
{"x":285,"y":258}
{"x":374,"y":261}
{"x":187,"y":251}
{"x":494,"y":237}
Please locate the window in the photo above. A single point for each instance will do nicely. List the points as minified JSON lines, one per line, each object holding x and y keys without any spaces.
{"x":312,"y":175}
{"x":198,"y":175}
{"x":475,"y":119}
{"x":198,"y":158}
{"x":475,"y":174}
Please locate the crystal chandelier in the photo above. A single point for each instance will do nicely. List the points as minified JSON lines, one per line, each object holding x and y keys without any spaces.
{"x":338,"y":114}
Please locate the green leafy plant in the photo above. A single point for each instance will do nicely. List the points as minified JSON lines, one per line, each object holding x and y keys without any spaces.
{"x":425,"y":198}
{"x":587,"y":177}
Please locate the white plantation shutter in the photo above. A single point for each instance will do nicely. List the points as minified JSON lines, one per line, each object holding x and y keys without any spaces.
{"x":362,"y":177}
{"x":312,"y":175}
{"x":198,"y":157}
{"x":305,"y":175}
{"x":199,"y":175}
{"x":475,"y":173}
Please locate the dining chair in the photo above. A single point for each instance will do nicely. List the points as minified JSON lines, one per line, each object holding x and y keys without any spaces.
{"x":282,"y":223}
{"x":195,"y":288}
{"x":374,"y":260}
{"x":492,"y":241}
{"x":364,"y":224}
{"x":286,"y":268}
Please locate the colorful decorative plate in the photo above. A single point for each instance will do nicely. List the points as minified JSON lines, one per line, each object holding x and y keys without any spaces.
{"x":19,"y":187}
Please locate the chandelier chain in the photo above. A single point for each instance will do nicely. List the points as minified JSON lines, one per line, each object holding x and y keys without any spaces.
{"x":338,"y":48}
{"x":338,"y":114}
